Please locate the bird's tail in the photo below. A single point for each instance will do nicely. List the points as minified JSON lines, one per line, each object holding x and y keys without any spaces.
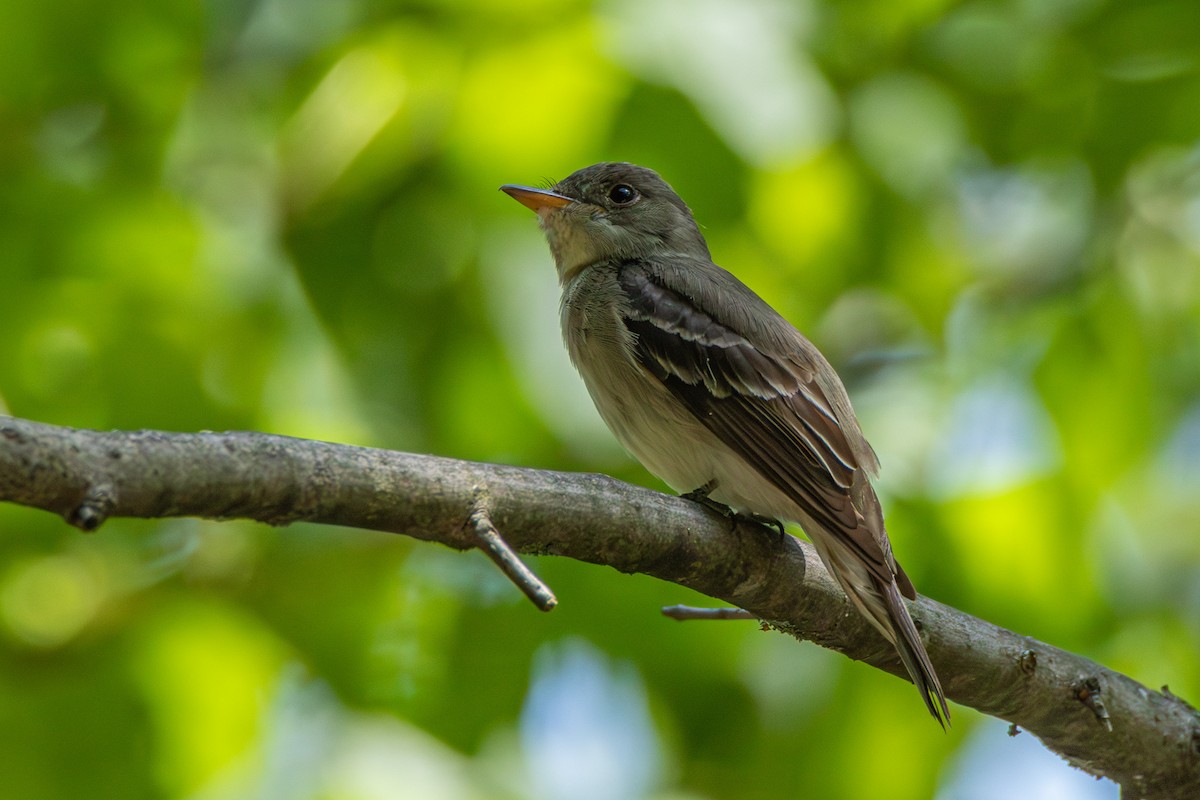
{"x":880,"y":601}
{"x":912,"y":651}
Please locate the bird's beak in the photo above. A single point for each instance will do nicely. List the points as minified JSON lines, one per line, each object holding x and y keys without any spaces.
{"x":538,"y":200}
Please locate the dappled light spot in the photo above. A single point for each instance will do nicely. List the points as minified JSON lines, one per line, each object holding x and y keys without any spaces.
{"x":45,"y":602}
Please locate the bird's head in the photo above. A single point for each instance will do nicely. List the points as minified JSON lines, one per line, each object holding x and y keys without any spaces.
{"x":611,"y":212}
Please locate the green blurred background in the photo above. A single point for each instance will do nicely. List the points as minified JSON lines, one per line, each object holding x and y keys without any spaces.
{"x":282,"y":216}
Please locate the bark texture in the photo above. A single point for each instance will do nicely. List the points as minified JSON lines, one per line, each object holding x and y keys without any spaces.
{"x":1099,"y":720}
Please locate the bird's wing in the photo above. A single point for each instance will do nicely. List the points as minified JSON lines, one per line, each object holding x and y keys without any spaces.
{"x":761,"y":398}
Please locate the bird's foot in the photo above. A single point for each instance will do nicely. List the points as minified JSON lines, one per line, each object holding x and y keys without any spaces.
{"x":702,"y":496}
{"x":766,"y":522}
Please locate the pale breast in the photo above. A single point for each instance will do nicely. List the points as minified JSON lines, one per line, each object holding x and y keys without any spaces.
{"x":651,"y":423}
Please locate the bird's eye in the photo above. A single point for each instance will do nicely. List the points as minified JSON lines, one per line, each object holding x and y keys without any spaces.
{"x":622,"y":194}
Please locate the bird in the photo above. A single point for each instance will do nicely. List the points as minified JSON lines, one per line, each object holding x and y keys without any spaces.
{"x":715,"y":392}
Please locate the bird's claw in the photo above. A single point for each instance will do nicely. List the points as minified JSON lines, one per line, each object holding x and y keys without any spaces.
{"x":766,"y":522}
{"x":701,"y":496}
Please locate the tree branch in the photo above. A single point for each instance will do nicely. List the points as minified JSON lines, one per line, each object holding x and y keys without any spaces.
{"x":1097,"y":719}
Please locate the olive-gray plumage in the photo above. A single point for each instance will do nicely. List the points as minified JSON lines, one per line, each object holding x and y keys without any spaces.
{"x":711,"y":389}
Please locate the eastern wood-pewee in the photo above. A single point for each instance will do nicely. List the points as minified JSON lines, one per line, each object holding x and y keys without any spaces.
{"x":715,"y":392}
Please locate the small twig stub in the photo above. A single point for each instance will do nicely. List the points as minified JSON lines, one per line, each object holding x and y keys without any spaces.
{"x":93,"y":508}
{"x":492,"y":543}
{"x":1087,"y":691}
